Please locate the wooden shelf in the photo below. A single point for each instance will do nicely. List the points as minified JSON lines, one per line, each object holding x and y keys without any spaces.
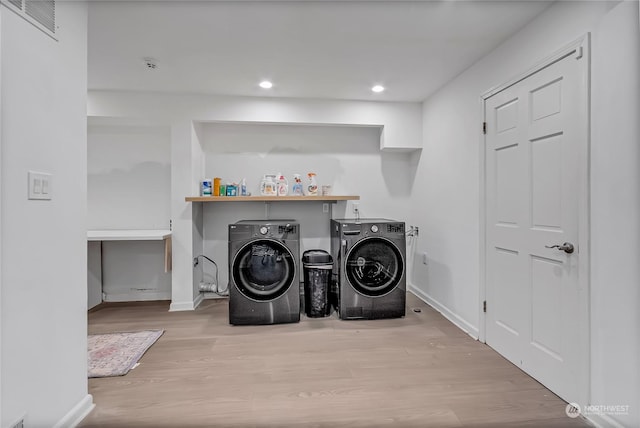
{"x":329,"y":198}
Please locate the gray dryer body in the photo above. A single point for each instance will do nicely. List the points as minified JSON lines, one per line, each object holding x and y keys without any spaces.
{"x":264,"y":272}
{"x":369,"y":270}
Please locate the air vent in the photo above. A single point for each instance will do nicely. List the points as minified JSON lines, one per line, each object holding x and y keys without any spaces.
{"x":43,"y":11}
{"x":395,"y":228}
{"x":40,"y":13}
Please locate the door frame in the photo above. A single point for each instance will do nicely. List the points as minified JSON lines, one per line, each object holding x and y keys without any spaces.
{"x":1,"y":149}
{"x":579,"y":49}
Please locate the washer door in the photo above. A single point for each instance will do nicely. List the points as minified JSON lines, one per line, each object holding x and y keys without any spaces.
{"x":374,"y":266}
{"x":263,"y":269}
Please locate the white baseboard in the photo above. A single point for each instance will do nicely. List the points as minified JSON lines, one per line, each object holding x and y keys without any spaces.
{"x":186,"y":306}
{"x":137,"y":297}
{"x":77,"y":413}
{"x":460,"y":322}
{"x":604,"y":421}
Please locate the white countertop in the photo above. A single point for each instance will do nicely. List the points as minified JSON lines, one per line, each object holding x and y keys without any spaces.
{"x":128,"y":235}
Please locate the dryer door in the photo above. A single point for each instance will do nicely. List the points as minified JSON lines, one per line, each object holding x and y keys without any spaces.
{"x":374,"y":266}
{"x":263,"y":269}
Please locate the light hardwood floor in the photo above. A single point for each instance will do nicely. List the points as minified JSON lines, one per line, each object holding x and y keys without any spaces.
{"x":417,"y":371}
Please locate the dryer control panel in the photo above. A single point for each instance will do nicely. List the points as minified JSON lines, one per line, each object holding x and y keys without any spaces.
{"x":276,"y":229}
{"x":370,"y":227}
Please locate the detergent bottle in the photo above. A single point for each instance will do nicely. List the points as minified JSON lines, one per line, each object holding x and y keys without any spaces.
{"x":282,"y":185}
{"x":268,"y":185}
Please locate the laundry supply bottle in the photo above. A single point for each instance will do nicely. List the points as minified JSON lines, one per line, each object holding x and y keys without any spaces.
{"x":205,"y":187}
{"x":312,"y":185}
{"x":282,"y":185}
{"x":268,"y":185}
{"x":296,"y":189}
{"x":243,"y":187}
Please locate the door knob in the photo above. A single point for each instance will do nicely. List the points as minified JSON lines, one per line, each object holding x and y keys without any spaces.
{"x":567,"y":247}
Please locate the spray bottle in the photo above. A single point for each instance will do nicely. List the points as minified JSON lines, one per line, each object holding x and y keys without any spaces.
{"x":243,"y":187}
{"x":296,"y":189}
{"x":312,"y":187}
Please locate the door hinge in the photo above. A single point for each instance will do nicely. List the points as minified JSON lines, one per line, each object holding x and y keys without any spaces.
{"x":484,"y":306}
{"x":484,"y":128}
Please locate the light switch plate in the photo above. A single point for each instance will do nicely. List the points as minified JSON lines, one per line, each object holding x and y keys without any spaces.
{"x":39,"y":185}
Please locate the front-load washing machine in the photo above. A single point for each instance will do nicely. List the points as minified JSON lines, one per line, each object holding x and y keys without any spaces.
{"x":264,"y":272}
{"x":369,"y":268}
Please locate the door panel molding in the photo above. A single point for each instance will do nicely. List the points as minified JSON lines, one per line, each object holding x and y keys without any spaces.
{"x":580,"y":50}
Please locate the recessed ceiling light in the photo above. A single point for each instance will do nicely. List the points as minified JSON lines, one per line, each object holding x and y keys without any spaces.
{"x":378,"y":88}
{"x":265,"y":84}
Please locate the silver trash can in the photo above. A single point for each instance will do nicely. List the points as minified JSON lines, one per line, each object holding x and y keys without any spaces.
{"x":317,"y":275}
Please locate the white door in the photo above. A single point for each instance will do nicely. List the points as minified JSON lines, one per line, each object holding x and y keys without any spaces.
{"x":537,"y":304}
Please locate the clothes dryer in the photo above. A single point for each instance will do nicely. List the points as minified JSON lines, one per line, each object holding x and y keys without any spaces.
{"x":369,"y":268}
{"x":264,"y":272}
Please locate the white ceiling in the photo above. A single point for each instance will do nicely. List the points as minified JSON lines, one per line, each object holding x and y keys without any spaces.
{"x":310,"y":49}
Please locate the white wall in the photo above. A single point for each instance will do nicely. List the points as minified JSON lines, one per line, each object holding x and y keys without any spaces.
{"x":447,"y":206}
{"x":129,"y":176}
{"x":94,"y":274}
{"x":447,"y":199}
{"x":44,"y":247}
{"x":348,"y":158}
{"x":615,"y":196}
{"x":190,"y":116}
{"x":187,"y":165}
{"x":401,"y":122}
{"x":129,"y":187}
{"x":1,"y":327}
